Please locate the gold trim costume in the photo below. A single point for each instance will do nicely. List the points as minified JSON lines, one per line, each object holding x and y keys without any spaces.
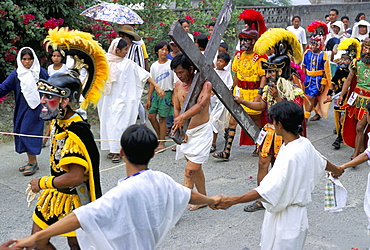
{"x":286,"y":45}
{"x":71,"y":139}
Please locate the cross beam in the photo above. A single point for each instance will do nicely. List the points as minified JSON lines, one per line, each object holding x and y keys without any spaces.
{"x":203,"y":63}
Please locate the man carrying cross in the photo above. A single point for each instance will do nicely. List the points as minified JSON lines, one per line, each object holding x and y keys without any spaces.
{"x":198,"y":138}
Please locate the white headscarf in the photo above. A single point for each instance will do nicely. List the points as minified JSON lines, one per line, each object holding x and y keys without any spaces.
{"x":113,"y":59}
{"x":340,"y":34}
{"x":355,"y":31}
{"x":28,"y":79}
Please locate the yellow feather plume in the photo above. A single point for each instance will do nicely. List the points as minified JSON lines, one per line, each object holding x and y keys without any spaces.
{"x":343,"y":45}
{"x":273,"y":36}
{"x":60,"y":37}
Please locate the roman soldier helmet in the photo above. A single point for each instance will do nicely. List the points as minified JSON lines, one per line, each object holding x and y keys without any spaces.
{"x":286,"y":46}
{"x":254,"y":20}
{"x":352,"y":47}
{"x":88,"y":59}
{"x":319,"y":32}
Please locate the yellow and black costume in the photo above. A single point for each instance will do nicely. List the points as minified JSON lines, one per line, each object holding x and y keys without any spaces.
{"x":71,"y":139}
{"x":72,"y":143}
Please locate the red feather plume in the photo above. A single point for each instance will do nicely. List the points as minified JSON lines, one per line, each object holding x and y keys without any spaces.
{"x":314,"y":25}
{"x":254,"y":19}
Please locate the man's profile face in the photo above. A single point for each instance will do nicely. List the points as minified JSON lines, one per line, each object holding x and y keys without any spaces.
{"x":183,"y":74}
{"x":333,"y":16}
{"x":50,"y":106}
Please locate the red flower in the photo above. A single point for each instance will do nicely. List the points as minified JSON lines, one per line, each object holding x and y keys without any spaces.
{"x":2,"y":13}
{"x":105,"y":23}
{"x":149,"y":38}
{"x":53,"y":23}
{"x":192,"y":21}
{"x":161,"y":24}
{"x":98,"y":35}
{"x":195,"y":33}
{"x":188,"y":18}
{"x":27,"y":18}
{"x":111,"y":35}
{"x":82,"y":7}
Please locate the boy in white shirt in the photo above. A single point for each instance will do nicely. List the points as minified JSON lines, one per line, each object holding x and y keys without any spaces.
{"x":162,"y":74}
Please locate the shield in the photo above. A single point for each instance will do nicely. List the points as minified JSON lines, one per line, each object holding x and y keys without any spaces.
{"x":112,"y":12}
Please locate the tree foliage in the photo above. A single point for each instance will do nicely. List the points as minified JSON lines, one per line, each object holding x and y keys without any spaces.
{"x":26,"y":22}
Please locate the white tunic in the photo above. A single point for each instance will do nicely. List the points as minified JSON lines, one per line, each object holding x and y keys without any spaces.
{"x":119,"y":109}
{"x":52,"y":71}
{"x":163,"y":75}
{"x":219,"y":116}
{"x":286,"y":191}
{"x":136,"y":214}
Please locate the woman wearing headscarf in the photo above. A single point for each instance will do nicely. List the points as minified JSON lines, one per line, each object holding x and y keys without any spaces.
{"x":23,"y":82}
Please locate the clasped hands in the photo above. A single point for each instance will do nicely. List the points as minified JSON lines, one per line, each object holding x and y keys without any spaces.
{"x":220,"y":202}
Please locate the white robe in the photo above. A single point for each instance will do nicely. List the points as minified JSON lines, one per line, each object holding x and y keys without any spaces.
{"x":136,"y":214}
{"x":196,"y":149}
{"x":219,"y":116}
{"x":286,"y":191}
{"x":119,"y":109}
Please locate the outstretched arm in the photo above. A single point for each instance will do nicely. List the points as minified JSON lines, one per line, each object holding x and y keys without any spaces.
{"x":65,"y":225}
{"x":361,"y":158}
{"x":227,"y":201}
{"x":336,"y":171}
{"x":200,"y":199}
{"x":160,"y":91}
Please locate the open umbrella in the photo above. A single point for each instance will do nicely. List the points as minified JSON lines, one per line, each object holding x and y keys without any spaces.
{"x":112,"y":12}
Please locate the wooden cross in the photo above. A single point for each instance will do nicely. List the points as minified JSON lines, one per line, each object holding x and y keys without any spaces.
{"x":203,"y":63}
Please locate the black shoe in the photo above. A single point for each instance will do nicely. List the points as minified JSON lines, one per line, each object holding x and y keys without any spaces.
{"x":336,"y":143}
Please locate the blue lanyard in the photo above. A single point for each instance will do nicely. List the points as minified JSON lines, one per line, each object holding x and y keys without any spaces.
{"x":136,"y":174}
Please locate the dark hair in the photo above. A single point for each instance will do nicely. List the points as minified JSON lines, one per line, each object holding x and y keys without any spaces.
{"x":132,"y":38}
{"x":357,"y":19}
{"x":51,"y":54}
{"x":27,"y":51}
{"x":160,"y":45}
{"x":183,"y":20}
{"x":327,"y":15}
{"x":202,"y":40}
{"x":182,"y":60}
{"x":224,"y":45}
{"x":224,"y":56}
{"x":122,"y":43}
{"x":138,"y":144}
{"x":296,"y":16}
{"x":335,"y":10}
{"x":289,"y":114}
{"x":212,"y":24}
{"x":344,"y":17}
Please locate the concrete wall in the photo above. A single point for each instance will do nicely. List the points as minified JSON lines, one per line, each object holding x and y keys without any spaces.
{"x":280,"y":17}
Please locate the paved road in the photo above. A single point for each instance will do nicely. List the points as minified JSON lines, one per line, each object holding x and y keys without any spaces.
{"x":207,"y":229}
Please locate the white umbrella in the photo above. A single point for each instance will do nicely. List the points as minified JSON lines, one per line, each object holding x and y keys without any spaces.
{"x":112,"y":12}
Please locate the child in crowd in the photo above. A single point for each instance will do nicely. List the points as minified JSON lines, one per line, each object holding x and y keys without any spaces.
{"x":201,"y":42}
{"x":186,"y":26}
{"x":224,"y":47}
{"x":57,"y":57}
{"x":219,"y":115}
{"x":162,"y":74}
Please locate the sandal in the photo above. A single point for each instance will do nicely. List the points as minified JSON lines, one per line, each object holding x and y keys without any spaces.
{"x":116,"y":158}
{"x":316,"y":117}
{"x":110,"y":155}
{"x":222,"y":155}
{"x":30,"y":169}
{"x":257,"y":205}
{"x":256,"y":152}
{"x":213,"y":148}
